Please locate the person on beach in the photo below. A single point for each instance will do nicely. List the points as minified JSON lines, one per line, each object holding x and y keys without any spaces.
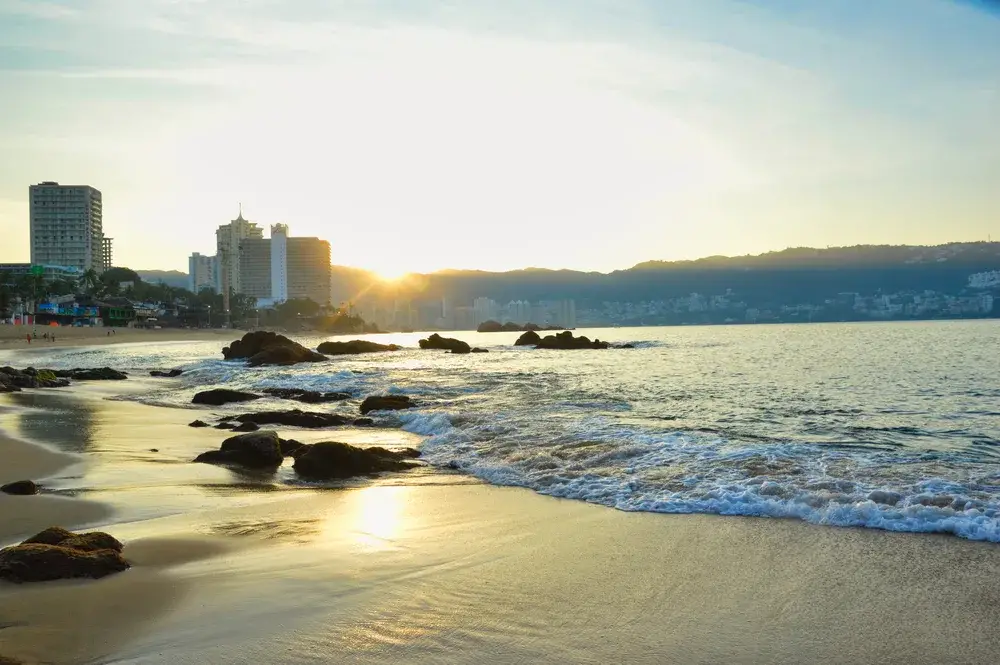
{"x":29,"y":338}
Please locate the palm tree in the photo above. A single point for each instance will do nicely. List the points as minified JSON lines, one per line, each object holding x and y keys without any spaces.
{"x":91,"y":282}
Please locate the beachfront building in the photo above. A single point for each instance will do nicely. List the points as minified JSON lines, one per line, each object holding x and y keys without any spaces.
{"x":284,"y":267}
{"x":227,"y":244}
{"x":203,"y":273}
{"x":67,"y":226}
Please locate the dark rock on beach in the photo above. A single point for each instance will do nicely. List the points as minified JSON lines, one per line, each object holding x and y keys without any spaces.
{"x":290,"y":447}
{"x":294,"y":418}
{"x":255,"y":450}
{"x":529,"y":338}
{"x":354,"y":346}
{"x":169,"y":374}
{"x":306,"y":396}
{"x":267,"y":348}
{"x":198,"y":423}
{"x":435,"y":341}
{"x":565,"y":341}
{"x":56,"y":554}
{"x":363,"y":422}
{"x":333,"y":460}
{"x":20,"y":488}
{"x":91,"y":374}
{"x":14,"y":380}
{"x":220,"y":396}
{"x":386,"y":403}
{"x":479,"y":350}
{"x":246,"y":427}
{"x":225,"y":425}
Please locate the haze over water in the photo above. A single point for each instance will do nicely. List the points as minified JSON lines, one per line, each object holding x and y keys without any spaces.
{"x":891,"y":426}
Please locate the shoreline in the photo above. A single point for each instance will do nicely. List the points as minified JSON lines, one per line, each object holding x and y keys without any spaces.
{"x":12,"y":338}
{"x":430,"y":568}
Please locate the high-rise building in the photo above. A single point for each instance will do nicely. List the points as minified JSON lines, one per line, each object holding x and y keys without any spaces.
{"x":203,"y":273}
{"x":283,"y":267}
{"x":279,"y":263}
{"x":485,"y":309}
{"x":308,"y":271}
{"x":255,"y":268}
{"x":227,"y":243}
{"x":67,"y":226}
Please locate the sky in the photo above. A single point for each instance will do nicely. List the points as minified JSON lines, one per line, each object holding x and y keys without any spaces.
{"x":417,"y":135}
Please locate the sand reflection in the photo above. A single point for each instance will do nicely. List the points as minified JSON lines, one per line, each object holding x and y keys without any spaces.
{"x":374,"y":519}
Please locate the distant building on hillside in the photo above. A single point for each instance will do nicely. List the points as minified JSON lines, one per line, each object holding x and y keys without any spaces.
{"x":203,"y":273}
{"x":67,"y":226}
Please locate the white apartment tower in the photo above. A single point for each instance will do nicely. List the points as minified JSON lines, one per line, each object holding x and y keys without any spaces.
{"x":279,"y":262}
{"x":67,"y":227}
{"x":227,"y":243}
{"x":203,"y":272}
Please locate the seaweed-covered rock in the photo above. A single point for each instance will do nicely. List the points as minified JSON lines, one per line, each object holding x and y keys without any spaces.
{"x":56,"y":554}
{"x":435,"y":341}
{"x":220,"y":396}
{"x":306,"y":396}
{"x":386,"y":403}
{"x":293,"y":418}
{"x":267,"y":348}
{"x":20,"y":488}
{"x":565,"y":341}
{"x":529,"y":338}
{"x":354,"y":346}
{"x":255,"y":450}
{"x":334,"y":460}
{"x":13,"y":380}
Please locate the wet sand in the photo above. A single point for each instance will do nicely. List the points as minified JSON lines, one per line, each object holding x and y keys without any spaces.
{"x":430,"y":567}
{"x":13,"y":337}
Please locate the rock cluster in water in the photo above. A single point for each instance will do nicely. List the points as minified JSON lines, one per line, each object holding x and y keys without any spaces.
{"x":14,"y":380}
{"x":353,"y":347}
{"x":386,"y":403}
{"x":306,"y":396}
{"x":262,"y":347}
{"x":293,"y":418}
{"x":564,"y":341}
{"x":328,"y":460}
{"x":435,"y":341}
{"x":56,"y":554}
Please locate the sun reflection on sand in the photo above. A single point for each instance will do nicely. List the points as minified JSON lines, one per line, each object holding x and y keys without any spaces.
{"x":376,"y":520}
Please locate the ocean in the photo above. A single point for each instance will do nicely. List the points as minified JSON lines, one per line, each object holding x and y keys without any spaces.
{"x":892,"y":426}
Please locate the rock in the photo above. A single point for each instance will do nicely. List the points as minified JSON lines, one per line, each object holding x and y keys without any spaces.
{"x":225,"y":425}
{"x":246,"y":427}
{"x":220,"y":396}
{"x":168,"y":374}
{"x":626,"y":346}
{"x":353,"y":347}
{"x":306,"y":396}
{"x":267,"y":348}
{"x":154,"y":450}
{"x":198,"y":423}
{"x":20,"y":488}
{"x":490,"y":326}
{"x":386,"y":403}
{"x":363,"y":422}
{"x":529,"y":338}
{"x":14,"y":380}
{"x":478,"y":350}
{"x":294,"y":418}
{"x":91,"y":374}
{"x":565,"y":341}
{"x":56,"y":554}
{"x":333,"y":460}
{"x":290,"y":447}
{"x":256,"y":450}
{"x":435,"y":341}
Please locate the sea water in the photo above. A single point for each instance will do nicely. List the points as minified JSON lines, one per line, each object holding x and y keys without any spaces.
{"x":884,"y":425}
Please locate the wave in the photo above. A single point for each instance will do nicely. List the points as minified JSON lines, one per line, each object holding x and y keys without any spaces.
{"x":680,"y":473}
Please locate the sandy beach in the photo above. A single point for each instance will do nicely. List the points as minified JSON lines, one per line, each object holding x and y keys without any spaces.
{"x":14,"y":336}
{"x":432,"y":567}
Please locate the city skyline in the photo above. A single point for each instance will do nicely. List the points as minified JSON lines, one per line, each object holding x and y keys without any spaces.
{"x":589,"y":135}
